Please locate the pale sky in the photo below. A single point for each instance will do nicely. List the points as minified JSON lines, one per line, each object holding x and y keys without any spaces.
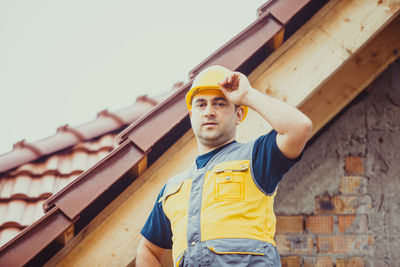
{"x":61,"y":62}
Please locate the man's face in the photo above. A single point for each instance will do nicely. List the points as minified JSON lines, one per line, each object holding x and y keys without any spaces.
{"x":214,"y":118}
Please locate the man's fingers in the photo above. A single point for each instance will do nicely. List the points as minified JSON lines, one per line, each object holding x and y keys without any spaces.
{"x":236,"y":81}
{"x":230,"y":79}
{"x":231,"y":82}
{"x":224,"y":82}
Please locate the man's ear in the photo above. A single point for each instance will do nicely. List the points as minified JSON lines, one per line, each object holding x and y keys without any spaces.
{"x":239,"y":115}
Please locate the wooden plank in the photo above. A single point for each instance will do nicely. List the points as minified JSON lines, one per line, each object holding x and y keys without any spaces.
{"x":65,"y":237}
{"x":278,"y":38}
{"x":350,"y":80}
{"x":296,"y":37}
{"x":344,"y":86}
{"x":139,"y":168}
{"x":323,"y":49}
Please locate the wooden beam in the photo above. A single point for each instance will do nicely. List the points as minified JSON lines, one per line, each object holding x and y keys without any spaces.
{"x":277,"y":40}
{"x":356,"y":75}
{"x":338,"y":90}
{"x":139,"y":168}
{"x":318,"y":51}
{"x":65,"y":237}
{"x":305,"y":84}
{"x":296,"y":37}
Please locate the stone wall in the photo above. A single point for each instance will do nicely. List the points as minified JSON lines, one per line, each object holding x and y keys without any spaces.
{"x":340,"y":206}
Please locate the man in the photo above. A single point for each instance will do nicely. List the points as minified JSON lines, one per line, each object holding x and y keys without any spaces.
{"x":220,"y":211}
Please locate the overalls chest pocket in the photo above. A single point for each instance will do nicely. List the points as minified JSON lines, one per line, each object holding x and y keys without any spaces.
{"x":229,"y":180}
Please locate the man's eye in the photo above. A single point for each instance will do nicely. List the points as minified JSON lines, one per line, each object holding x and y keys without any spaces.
{"x":220,"y":104}
{"x":200,"y":105}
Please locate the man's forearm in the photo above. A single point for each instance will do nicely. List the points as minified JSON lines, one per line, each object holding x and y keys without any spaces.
{"x":284,"y":118}
{"x":293,"y":127}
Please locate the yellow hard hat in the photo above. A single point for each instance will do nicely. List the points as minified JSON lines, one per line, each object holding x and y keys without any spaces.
{"x":208,"y":79}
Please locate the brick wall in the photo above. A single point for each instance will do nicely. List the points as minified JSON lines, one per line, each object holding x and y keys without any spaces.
{"x":336,"y":233}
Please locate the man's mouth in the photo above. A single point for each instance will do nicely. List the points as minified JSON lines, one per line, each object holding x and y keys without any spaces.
{"x":208,"y":123}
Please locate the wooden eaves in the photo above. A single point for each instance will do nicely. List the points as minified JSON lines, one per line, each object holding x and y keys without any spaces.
{"x":320,"y":69}
{"x":68,"y":213}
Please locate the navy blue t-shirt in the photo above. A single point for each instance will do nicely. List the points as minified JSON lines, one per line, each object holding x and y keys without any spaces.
{"x":268,"y":163}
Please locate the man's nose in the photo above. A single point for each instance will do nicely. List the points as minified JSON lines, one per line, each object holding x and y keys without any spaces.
{"x":209,"y":110}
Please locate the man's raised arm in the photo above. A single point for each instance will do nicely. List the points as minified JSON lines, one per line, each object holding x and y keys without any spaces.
{"x":293,"y":127}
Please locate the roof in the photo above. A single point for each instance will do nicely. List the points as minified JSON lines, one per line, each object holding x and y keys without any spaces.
{"x":24,"y":190}
{"x":66,"y":136}
{"x":33,"y":172}
{"x":97,"y":186}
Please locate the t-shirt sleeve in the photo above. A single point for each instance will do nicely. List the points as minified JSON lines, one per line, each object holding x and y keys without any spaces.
{"x":157,"y":228}
{"x":268,"y":162}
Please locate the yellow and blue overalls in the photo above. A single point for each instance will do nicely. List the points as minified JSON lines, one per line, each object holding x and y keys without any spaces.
{"x":219,"y":215}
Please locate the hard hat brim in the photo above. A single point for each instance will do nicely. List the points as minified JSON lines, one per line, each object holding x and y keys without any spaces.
{"x":195,"y":90}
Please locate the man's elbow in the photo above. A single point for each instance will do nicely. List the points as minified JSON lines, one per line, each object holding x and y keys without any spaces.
{"x":308,"y":127}
{"x":305,"y":128}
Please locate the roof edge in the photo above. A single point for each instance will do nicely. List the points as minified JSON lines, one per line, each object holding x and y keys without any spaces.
{"x":19,"y":250}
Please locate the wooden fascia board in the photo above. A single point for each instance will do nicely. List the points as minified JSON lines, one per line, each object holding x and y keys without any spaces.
{"x":115,"y":239}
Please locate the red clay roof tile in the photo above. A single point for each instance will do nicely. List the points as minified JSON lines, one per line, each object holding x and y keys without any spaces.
{"x":20,"y":213}
{"x":8,"y":234}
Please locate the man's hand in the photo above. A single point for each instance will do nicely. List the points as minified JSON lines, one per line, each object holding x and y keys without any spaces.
{"x":236,"y":88}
